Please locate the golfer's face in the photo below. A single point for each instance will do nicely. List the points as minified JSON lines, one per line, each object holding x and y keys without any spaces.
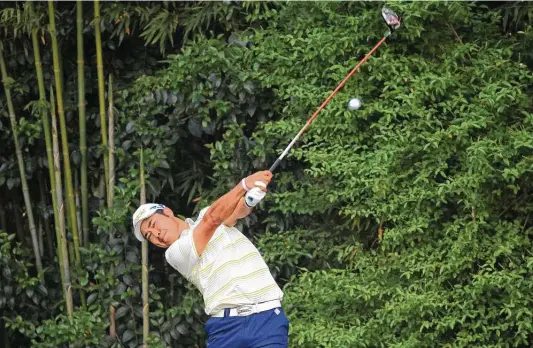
{"x":160,"y":230}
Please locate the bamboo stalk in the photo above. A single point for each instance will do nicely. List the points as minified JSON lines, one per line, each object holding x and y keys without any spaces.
{"x":83,"y":122}
{"x":101,"y":87}
{"x":146,"y":303}
{"x":112,"y":326}
{"x":64,"y":142}
{"x":111,"y":183}
{"x":63,"y":255}
{"x":111,"y":114}
{"x":20,"y":160}
{"x":78,"y":205}
{"x":48,"y":140}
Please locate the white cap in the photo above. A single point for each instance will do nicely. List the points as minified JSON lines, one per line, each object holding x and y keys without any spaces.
{"x":144,"y":212}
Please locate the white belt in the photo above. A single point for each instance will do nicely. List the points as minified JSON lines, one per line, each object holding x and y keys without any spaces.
{"x":249,"y":309}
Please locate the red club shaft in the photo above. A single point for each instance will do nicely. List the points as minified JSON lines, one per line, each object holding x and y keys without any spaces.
{"x":323,"y":105}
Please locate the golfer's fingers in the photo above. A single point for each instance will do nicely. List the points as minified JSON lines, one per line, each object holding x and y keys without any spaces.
{"x":261,"y":184}
{"x":261,"y":176}
{"x":267,"y":176}
{"x":264,"y":174}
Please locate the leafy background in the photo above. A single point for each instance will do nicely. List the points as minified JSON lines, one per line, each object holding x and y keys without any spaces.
{"x":403,"y":224}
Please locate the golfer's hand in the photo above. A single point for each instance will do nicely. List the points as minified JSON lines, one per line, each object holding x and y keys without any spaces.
{"x":264,"y":176}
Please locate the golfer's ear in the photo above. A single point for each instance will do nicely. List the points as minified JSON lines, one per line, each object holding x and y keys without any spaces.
{"x":168,"y":212}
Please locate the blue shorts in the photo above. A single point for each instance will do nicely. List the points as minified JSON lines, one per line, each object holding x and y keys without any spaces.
{"x":268,"y":329}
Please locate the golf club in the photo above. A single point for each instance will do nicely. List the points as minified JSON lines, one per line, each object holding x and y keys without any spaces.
{"x":393,"y":22}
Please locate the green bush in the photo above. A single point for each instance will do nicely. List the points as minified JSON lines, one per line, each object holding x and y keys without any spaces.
{"x":405,"y":223}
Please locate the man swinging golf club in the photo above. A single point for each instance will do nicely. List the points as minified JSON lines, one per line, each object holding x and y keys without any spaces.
{"x":240,"y":295}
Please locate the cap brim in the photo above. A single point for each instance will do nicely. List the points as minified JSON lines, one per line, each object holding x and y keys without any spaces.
{"x":137,"y":231}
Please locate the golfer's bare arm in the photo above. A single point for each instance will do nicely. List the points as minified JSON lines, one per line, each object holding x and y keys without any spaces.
{"x":241,"y":211}
{"x":215,"y":216}
{"x":217,"y":213}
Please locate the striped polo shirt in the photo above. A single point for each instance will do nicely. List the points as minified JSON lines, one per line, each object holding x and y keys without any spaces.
{"x":229,"y":273}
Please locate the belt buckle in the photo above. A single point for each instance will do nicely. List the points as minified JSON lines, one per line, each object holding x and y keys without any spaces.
{"x":244,"y":310}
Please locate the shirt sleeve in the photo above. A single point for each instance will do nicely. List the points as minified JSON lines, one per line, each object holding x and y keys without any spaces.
{"x":192,"y":223}
{"x":182,"y":255}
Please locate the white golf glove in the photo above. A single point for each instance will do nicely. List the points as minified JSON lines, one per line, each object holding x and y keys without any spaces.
{"x":255,"y":195}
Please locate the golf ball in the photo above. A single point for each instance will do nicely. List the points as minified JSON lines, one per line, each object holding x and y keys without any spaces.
{"x":354,"y":104}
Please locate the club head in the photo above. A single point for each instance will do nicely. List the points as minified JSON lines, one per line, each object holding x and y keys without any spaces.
{"x":391,"y":18}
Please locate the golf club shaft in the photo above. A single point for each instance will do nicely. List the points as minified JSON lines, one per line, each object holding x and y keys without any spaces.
{"x":311,"y":119}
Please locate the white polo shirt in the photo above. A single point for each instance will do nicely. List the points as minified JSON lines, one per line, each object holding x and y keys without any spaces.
{"x":229,"y":273}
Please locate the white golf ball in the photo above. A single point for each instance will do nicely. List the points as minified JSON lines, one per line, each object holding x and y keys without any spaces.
{"x":354,"y":104}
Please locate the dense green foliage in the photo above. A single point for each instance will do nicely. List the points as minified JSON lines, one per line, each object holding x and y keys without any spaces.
{"x":405,"y":223}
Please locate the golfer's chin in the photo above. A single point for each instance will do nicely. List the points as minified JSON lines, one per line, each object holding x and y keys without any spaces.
{"x":164,"y":245}
{"x":170,"y":238}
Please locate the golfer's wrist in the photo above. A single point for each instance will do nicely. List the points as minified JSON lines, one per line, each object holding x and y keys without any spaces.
{"x":244,"y":185}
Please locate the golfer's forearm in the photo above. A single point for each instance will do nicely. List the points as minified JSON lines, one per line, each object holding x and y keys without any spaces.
{"x":224,"y":207}
{"x":241,"y":211}
{"x":231,"y":221}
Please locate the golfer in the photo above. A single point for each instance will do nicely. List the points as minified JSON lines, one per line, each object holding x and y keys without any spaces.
{"x":240,"y":295}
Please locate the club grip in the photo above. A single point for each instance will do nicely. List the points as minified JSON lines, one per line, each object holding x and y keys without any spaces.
{"x":275,"y":165}
{"x":254,"y":196}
